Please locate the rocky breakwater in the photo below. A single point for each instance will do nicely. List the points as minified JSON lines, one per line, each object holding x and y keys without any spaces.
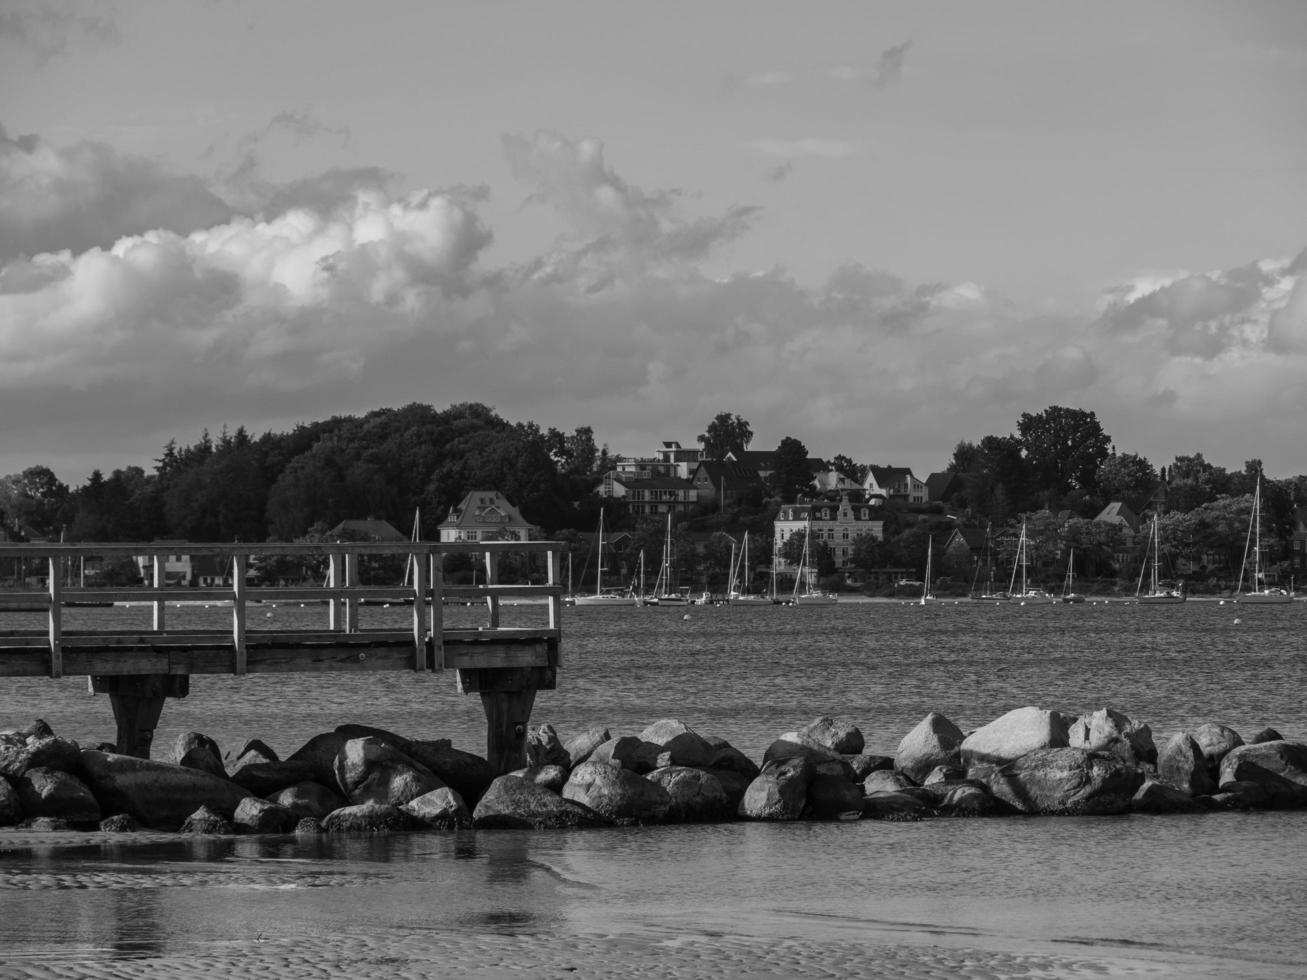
{"x":360,"y":779}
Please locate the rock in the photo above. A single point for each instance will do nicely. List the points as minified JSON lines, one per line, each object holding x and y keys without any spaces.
{"x":727,"y":756}
{"x":207,"y":821}
{"x":368,"y":818}
{"x":1215,"y":741}
{"x":11,"y":810}
{"x":616,"y":794}
{"x":792,"y":745}
{"x":1066,"y":781}
{"x":320,"y":752}
{"x":257,"y":816}
{"x":48,"y":825}
{"x":935,"y":741}
{"x":119,"y":823}
{"x":780,"y":791}
{"x":352,"y":731}
{"x":515,"y":803}
{"x":552,"y":778}
{"x":155,"y":793}
{"x":1155,"y":796}
{"x":682,"y":745}
{"x":309,"y":799}
{"x":944,"y":774}
{"x":1266,"y":735}
{"x":1020,"y":731}
{"x":885,"y":781}
{"x":442,"y":809}
{"x":627,"y":752}
{"x":544,"y":748}
{"x":51,"y":793}
{"x":1181,"y":766}
{"x":1241,"y":795}
{"x":307,"y":826}
{"x":267,"y":778}
{"x":466,"y":774}
{"x":832,"y":795}
{"x":696,"y":795}
{"x":839,"y":736}
{"x":196,"y":751}
{"x":894,"y":806}
{"x":864,"y":765}
{"x":1115,"y":734}
{"x":580,"y":746}
{"x":18,"y":753}
{"x":735,"y":784}
{"x":963,"y":798}
{"x":370,"y":770}
{"x":1279,"y":768}
{"x":37,"y":728}
{"x":254,"y":750}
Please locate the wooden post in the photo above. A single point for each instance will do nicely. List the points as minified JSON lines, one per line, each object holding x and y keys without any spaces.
{"x":160,"y":579}
{"x":239,"y":564}
{"x":437,"y":611}
{"x":507,"y":696}
{"x":492,"y":600}
{"x":137,"y":701}
{"x":335,"y":572}
{"x":56,"y":585}
{"x":419,"y":612}
{"x":351,"y":580}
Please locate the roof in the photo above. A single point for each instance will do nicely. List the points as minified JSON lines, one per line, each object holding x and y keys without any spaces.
{"x":942,"y":484}
{"x":737,"y":475}
{"x":887,"y":474}
{"x":1119,"y":512}
{"x":370,"y":529}
{"x":484,"y":508}
{"x":834,"y":480}
{"x":654,"y":483}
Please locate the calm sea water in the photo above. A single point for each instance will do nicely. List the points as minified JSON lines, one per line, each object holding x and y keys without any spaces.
{"x":1210,"y":891}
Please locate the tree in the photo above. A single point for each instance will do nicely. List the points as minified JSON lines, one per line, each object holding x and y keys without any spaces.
{"x":726,"y":433}
{"x":1064,"y":447}
{"x":1194,"y":482}
{"x":995,"y":477}
{"x":846,"y":467}
{"x":34,"y":499}
{"x":791,"y":475}
{"x":1125,"y":477}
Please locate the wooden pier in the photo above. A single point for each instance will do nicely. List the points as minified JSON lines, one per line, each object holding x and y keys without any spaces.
{"x":506,"y":666}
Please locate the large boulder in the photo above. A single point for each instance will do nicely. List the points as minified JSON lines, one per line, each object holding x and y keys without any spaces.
{"x":197,"y":751}
{"x":695,"y":795}
{"x":580,"y":746}
{"x":1017,"y":733}
{"x":780,"y":791}
{"x":442,"y":809}
{"x":679,"y":744}
{"x":837,"y":734}
{"x":885,"y":781}
{"x":267,"y":778}
{"x":628,"y":752}
{"x":513,"y":803}
{"x":465,"y":773}
{"x":320,"y":753}
{"x":832,"y":795}
{"x":206,"y":820}
{"x":544,"y":748}
{"x":727,"y":756}
{"x":309,"y":799}
{"x":11,"y":810}
{"x":735,"y":784}
{"x":20,"y":752}
{"x":256,"y":816}
{"x":1181,"y":766}
{"x":792,"y":745}
{"x":1115,"y":734}
{"x":1279,"y":768}
{"x":368,"y":818}
{"x":864,"y":764}
{"x":372,"y":770}
{"x":51,"y":793}
{"x":894,"y":806}
{"x":1216,"y":740}
{"x":552,"y":778}
{"x":616,"y":794}
{"x":1155,"y":796}
{"x":155,"y":793}
{"x":963,"y":798}
{"x":1065,"y":781}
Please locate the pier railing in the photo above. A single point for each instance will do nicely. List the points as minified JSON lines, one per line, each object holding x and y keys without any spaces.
{"x":491,"y":659}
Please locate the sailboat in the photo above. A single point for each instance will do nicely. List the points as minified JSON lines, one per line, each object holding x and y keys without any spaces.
{"x":600,"y":597}
{"x":663,"y":595}
{"x":927,"y":593}
{"x":740,"y":576}
{"x":989,"y":593}
{"x":804,"y":594}
{"x":1159,"y":592}
{"x":1069,"y":593}
{"x":1020,"y":565}
{"x":1258,"y":591}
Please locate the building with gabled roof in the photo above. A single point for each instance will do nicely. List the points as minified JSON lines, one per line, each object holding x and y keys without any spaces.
{"x":653,"y":496}
{"x":896,"y":483}
{"x":485,"y":515}
{"x":837,"y":524}
{"x":367,"y":529}
{"x":725,"y":482}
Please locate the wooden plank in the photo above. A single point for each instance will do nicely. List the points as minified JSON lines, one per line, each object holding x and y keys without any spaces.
{"x":157,"y":618}
{"x":419,"y":615}
{"x":437,"y":614}
{"x":555,"y":561}
{"x":467,"y":658}
{"x":492,"y":595}
{"x":238,"y":569}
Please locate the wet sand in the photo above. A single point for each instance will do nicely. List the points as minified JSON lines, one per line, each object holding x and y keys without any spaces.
{"x":602,"y":945}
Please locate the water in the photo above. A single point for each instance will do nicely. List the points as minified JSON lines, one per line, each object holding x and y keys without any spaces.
{"x":1212,"y":895}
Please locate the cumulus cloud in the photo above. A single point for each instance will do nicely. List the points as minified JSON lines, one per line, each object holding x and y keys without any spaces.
{"x":883,"y":74}
{"x":46,"y":30}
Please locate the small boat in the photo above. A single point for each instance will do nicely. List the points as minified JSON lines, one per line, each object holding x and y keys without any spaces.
{"x":1027,"y":592}
{"x":804,"y":594}
{"x":1069,"y":594}
{"x":1259,"y":593}
{"x":927,"y":593}
{"x":740,"y":580}
{"x":989,"y":593}
{"x":1159,"y":592}
{"x":600,"y":597}
{"x":663,"y":593}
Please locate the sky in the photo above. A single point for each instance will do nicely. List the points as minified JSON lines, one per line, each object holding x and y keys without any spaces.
{"x":879,"y":228}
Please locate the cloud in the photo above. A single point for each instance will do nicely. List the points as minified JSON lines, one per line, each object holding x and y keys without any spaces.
{"x":887,"y":70}
{"x":810,"y":146}
{"x":890,"y":67}
{"x":345,"y":293}
{"x":47,"y":29}
{"x":89,"y":195}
